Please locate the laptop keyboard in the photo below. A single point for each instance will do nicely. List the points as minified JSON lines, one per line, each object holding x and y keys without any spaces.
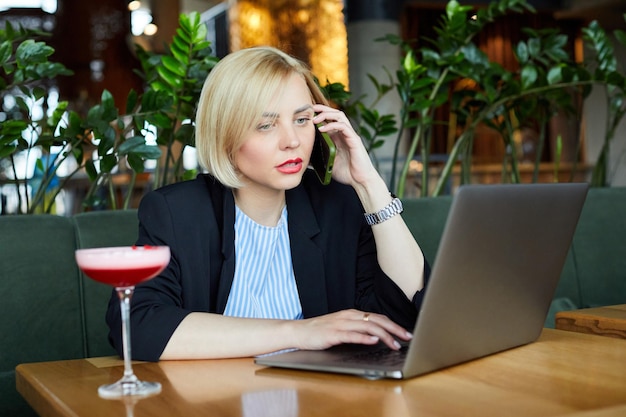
{"x":381,"y":356}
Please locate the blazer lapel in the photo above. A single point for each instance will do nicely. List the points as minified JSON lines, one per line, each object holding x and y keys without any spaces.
{"x":228,"y":251}
{"x":307,"y":256}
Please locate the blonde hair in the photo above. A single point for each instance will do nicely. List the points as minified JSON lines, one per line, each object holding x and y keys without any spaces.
{"x":235,"y":94}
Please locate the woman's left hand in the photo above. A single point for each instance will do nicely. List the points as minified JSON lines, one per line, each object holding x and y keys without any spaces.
{"x":353,"y":166}
{"x":352,"y":162}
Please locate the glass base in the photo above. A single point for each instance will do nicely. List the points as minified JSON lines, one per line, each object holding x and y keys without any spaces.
{"x":124,"y":388}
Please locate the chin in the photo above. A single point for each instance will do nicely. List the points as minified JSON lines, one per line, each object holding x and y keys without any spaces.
{"x":291,"y":182}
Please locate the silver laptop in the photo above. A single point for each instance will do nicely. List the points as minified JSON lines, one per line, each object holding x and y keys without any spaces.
{"x":498,"y":264}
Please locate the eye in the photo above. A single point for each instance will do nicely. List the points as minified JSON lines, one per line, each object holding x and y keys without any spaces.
{"x":265,"y":126}
{"x":301,"y":121}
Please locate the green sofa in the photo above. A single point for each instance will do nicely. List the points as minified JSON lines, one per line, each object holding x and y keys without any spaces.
{"x":51,"y":312}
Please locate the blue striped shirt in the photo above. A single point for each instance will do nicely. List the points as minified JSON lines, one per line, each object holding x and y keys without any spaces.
{"x":264,"y":284}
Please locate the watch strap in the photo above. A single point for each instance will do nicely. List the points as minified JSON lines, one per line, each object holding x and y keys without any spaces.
{"x":386,"y":213}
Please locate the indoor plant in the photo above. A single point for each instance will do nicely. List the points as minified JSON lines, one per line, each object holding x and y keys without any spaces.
{"x":548,"y":81}
{"x":163,"y":110}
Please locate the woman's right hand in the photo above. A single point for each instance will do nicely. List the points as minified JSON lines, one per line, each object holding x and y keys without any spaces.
{"x":348,"y":326}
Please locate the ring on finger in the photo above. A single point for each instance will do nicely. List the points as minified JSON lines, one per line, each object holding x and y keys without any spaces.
{"x":366,"y":317}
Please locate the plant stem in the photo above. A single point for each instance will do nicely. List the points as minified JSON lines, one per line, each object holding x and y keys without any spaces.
{"x":17,"y":184}
{"x":483,"y":114}
{"x":131,"y":187}
{"x":416,"y":140}
{"x":111,"y":189}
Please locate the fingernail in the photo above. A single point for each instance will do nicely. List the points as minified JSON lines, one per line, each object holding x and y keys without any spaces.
{"x":374,"y":338}
{"x":409,"y":335}
{"x":397,"y":344}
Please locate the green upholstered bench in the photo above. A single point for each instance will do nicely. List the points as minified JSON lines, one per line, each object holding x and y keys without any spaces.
{"x":51,"y":312}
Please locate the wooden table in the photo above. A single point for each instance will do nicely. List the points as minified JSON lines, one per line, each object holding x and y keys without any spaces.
{"x":563,"y":373}
{"x":604,"y":321}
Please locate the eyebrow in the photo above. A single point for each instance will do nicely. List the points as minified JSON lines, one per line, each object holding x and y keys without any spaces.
{"x":272,"y":115}
{"x":303,"y":108}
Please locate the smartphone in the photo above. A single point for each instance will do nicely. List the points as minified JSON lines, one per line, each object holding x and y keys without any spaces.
{"x":323,"y":156}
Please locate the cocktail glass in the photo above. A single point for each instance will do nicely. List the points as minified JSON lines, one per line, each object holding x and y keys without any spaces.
{"x":123,"y":267}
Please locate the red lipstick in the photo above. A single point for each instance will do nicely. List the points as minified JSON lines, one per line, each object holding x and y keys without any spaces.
{"x":291,"y":166}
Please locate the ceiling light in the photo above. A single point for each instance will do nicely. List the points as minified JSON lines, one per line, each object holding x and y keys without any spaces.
{"x":134,"y":5}
{"x":150,"y":29}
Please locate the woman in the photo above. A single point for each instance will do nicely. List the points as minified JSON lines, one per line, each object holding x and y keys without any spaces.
{"x":265,"y":257}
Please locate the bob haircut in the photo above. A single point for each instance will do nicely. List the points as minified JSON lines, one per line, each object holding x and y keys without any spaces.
{"x":238,"y":90}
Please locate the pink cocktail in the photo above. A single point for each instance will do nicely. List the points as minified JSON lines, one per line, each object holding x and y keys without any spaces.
{"x":123,"y":267}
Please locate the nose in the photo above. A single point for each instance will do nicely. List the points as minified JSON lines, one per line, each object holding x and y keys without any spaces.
{"x":289,"y":137}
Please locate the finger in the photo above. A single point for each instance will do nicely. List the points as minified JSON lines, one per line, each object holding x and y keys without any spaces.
{"x":380,"y":333}
{"x":383,"y":328}
{"x":320,"y":108}
{"x":386,"y":324}
{"x":360,"y":327}
{"x":329,"y":115}
{"x":355,"y":337}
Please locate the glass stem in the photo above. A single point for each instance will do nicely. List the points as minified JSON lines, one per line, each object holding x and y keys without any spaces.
{"x":125,"y":294}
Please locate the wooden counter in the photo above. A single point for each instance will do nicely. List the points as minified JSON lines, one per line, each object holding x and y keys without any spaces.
{"x":562,"y":374}
{"x":604,"y":321}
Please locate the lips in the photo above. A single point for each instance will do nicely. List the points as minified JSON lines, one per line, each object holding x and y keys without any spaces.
{"x":291,"y":166}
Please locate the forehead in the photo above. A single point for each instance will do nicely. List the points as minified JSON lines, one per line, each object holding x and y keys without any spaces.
{"x":292,"y":96}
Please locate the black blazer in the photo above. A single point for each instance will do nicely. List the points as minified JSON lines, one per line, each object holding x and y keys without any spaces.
{"x":332,"y":249}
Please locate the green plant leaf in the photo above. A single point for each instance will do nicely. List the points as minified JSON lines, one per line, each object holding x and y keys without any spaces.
{"x":146,"y":151}
{"x":160,"y":120}
{"x":179,"y":49}
{"x":409,"y":64}
{"x":201,"y":47}
{"x":50,"y":70}
{"x":130,"y":143}
{"x":555,"y":75}
{"x":13,"y":128}
{"x":107,"y":163}
{"x":6,"y":150}
{"x":74,"y":128}
{"x":616,"y":104}
{"x":521,"y":51}
{"x":190,"y":174}
{"x":171,"y":78}
{"x":131,"y":101}
{"x":91,"y":171}
{"x":377,"y":144}
{"x":620,"y":35}
{"x":57,"y":114}
{"x":365,"y":134}
{"x":474,"y":55}
{"x":135,"y":162}
{"x":6,"y":50}
{"x":534,"y":47}
{"x":184,"y":36}
{"x":30,"y":52}
{"x":109,"y":111}
{"x":529,"y":76}
{"x":78,"y":153}
{"x":421,"y":105}
{"x":615,"y":78}
{"x":176,"y":67}
{"x":185,"y":134}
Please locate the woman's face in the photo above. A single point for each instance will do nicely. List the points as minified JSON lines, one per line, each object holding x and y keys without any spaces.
{"x":276,"y":151}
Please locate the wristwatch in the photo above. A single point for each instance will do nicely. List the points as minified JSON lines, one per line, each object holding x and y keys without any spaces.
{"x":386,"y":213}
